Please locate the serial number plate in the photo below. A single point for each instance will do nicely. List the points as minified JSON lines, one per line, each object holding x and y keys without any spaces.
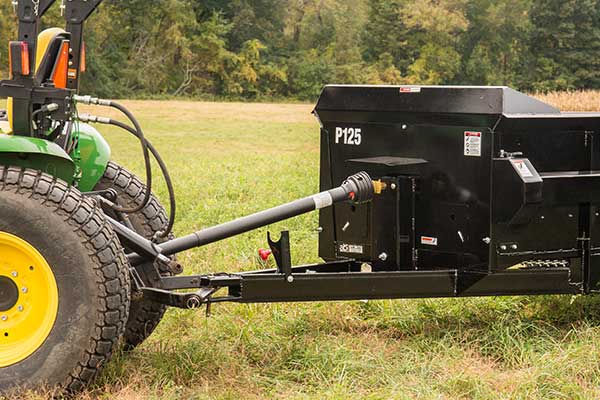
{"x":351,"y":248}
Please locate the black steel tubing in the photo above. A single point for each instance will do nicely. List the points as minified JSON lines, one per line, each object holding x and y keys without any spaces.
{"x":357,"y":188}
{"x":348,"y":191}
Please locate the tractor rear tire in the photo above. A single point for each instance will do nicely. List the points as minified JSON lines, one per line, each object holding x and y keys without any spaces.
{"x":64,"y":283}
{"x":144,"y":314}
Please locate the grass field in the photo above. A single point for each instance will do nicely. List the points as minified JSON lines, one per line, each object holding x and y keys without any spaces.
{"x":229,"y":159}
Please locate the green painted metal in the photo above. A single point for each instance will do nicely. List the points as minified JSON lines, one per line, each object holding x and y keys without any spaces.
{"x":93,"y":156}
{"x":39,"y":154}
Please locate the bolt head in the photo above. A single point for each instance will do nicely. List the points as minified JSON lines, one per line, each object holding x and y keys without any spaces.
{"x":290,"y":279}
{"x":4,"y":318}
{"x":20,"y":308}
{"x":383,"y":256}
{"x":514,"y":246}
{"x":487,"y":240}
{"x":393,"y":186}
{"x":24,"y":289}
{"x":14,"y":274}
{"x":404,"y":127}
{"x":503,"y":247}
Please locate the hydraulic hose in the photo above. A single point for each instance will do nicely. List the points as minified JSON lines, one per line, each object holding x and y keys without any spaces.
{"x":167,"y":177}
{"x":147,"y":163}
{"x":163,"y":167}
{"x":143,"y":142}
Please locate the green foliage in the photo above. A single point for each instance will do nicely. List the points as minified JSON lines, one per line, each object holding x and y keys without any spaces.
{"x":565,"y":44}
{"x":308,"y":71}
{"x":291,"y":48}
{"x":7,"y":30}
{"x":494,"y":48}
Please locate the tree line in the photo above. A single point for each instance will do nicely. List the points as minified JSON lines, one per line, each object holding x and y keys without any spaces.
{"x":290,"y":48}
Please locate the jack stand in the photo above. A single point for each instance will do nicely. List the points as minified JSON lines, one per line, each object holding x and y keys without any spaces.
{"x":281,"y":252}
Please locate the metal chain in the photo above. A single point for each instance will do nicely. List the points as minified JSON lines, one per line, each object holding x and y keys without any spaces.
{"x":546,"y":264}
{"x":36,"y":7}
{"x":15,"y":4}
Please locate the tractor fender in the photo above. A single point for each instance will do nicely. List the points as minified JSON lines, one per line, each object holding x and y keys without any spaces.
{"x":94,"y":153}
{"x":38,"y":154}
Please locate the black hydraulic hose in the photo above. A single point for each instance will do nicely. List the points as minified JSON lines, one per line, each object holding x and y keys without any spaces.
{"x":147,"y":163}
{"x":165,"y":172}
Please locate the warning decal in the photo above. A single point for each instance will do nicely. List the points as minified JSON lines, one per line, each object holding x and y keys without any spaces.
{"x":430,"y":241}
{"x":473,"y":144}
{"x":410,"y":89}
{"x":522,"y":168}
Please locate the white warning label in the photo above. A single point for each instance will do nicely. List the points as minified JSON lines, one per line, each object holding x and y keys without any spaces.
{"x":322,"y":200}
{"x":522,"y":168}
{"x":350,"y":248}
{"x":473,"y":144}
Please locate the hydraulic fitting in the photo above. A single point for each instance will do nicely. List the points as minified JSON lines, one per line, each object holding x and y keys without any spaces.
{"x":89,"y":100}
{"x":93,"y":119}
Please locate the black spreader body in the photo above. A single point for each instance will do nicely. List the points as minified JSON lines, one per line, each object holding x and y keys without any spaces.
{"x":478,"y":180}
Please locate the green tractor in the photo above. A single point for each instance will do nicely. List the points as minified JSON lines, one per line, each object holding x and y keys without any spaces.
{"x":87,"y":258}
{"x":65,"y":306}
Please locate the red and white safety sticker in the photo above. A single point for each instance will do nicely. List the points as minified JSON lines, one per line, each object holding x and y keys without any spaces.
{"x":472,"y":144}
{"x":430,"y":241}
{"x":410,"y":89}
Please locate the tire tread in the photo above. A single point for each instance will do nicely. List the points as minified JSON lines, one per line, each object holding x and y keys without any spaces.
{"x":87,"y":220}
{"x":144,"y":315}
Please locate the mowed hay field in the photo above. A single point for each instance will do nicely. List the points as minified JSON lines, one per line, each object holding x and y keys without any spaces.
{"x":230,"y":159}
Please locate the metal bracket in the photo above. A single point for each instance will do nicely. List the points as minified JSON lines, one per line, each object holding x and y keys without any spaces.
{"x":76,"y":12}
{"x":281,"y":252}
{"x":136,"y":280}
{"x":109,"y":194}
{"x":179,"y":300}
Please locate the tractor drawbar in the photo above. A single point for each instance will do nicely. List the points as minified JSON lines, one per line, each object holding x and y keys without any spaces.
{"x":357,"y":188}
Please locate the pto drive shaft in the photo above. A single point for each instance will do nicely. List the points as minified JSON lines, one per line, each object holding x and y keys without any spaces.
{"x":357,"y":188}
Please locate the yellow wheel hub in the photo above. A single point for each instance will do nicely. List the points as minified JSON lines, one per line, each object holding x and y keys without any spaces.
{"x":28,"y":299}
